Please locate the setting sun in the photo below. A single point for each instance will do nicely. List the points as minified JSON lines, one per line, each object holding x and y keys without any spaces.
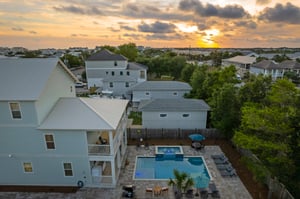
{"x":208,"y":40}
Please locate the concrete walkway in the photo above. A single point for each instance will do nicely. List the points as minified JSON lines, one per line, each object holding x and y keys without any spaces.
{"x":229,"y":187}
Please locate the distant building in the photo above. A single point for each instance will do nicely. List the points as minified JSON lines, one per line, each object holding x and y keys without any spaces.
{"x":113,"y":73}
{"x":273,"y":69}
{"x":241,"y":63}
{"x":149,"y":90}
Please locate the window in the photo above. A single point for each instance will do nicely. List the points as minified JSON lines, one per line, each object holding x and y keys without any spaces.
{"x":175,"y":93}
{"x":106,"y":72}
{"x":126,"y":84}
{"x":142,"y":74}
{"x":163,"y":115}
{"x":113,"y":73}
{"x":27,"y":166}
{"x":68,"y":169}
{"x":121,"y":73}
{"x":185,"y":115}
{"x":49,"y":138}
{"x":111,"y":84}
{"x":128,"y":73}
{"x":15,"y":110}
{"x":147,"y":93}
{"x":116,"y":63}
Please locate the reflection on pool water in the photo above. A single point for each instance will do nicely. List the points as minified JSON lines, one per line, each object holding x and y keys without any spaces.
{"x":162,"y":168}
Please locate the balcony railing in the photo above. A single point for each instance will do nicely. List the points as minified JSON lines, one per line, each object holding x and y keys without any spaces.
{"x":99,"y":150}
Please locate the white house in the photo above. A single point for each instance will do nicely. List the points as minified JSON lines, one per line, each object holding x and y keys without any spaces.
{"x":113,"y":73}
{"x":174,"y":113}
{"x":158,"y":90}
{"x":241,"y":63}
{"x":51,"y":138}
{"x":275,"y":70}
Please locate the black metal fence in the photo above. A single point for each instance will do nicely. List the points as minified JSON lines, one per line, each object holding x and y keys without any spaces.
{"x":136,"y":133}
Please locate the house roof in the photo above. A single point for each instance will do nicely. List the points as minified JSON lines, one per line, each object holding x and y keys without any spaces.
{"x":161,"y":85}
{"x":269,"y":64}
{"x":136,"y":66}
{"x":106,"y":55}
{"x":118,"y":78}
{"x":290,"y":64}
{"x":25,"y":79}
{"x":85,"y":114}
{"x":241,"y":59}
{"x":266,"y":64}
{"x":173,"y":105}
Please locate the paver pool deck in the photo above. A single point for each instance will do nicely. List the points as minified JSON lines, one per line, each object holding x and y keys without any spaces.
{"x":229,"y":187}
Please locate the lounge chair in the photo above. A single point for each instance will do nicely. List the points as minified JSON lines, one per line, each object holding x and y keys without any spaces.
{"x":204,"y":194}
{"x":164,"y":190}
{"x":227,"y":167}
{"x":189,"y":193}
{"x":149,"y":190}
{"x":146,"y":145}
{"x":218,"y":156}
{"x":214,"y":191}
{"x":221,"y":161}
{"x":225,"y":173}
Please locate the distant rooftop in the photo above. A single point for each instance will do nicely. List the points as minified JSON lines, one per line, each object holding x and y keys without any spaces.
{"x":106,"y":55}
{"x":181,"y":104}
{"x":162,"y":85}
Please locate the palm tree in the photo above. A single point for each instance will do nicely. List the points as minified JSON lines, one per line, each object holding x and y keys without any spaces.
{"x":181,"y":182}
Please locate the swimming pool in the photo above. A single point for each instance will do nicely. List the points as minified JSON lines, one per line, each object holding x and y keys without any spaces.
{"x":153,"y":168}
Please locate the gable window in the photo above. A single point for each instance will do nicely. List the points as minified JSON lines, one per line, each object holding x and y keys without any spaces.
{"x":142,"y":74}
{"x":27,"y":166}
{"x":15,"y":110}
{"x":111,"y":84}
{"x":163,"y":115}
{"x":128,"y":73}
{"x":112,"y":73}
{"x":68,"y":169}
{"x":126,"y":84}
{"x":185,"y":115}
{"x":49,"y":139}
{"x":121,"y":73}
{"x":116,"y":63}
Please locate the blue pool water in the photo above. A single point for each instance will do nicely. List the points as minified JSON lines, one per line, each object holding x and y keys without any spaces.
{"x":168,"y":149}
{"x":153,"y":168}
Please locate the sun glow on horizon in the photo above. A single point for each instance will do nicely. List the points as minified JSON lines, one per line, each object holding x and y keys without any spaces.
{"x":207,"y":41}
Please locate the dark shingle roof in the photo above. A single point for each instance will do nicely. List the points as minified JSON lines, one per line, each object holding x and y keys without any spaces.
{"x":289,"y":64}
{"x":174,"y":105}
{"x":266,"y":64}
{"x":136,"y":66}
{"x":105,"y":55}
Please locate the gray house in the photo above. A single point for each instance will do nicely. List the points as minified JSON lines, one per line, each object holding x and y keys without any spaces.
{"x":113,"y":73}
{"x":174,"y":113}
{"x":51,"y":138}
{"x":273,"y":69}
{"x":158,"y":90}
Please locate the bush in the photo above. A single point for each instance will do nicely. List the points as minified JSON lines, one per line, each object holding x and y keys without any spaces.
{"x":137,"y":117}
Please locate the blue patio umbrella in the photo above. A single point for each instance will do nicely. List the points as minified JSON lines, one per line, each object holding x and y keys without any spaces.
{"x":196,"y":137}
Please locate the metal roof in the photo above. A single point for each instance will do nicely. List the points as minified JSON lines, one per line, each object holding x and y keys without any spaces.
{"x":25,"y":78}
{"x":241,"y":59}
{"x":161,"y":85}
{"x":85,"y":114}
{"x":174,"y":105}
{"x":105,"y":55}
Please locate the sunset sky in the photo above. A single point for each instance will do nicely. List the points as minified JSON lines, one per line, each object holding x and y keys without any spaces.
{"x":36,"y":24}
